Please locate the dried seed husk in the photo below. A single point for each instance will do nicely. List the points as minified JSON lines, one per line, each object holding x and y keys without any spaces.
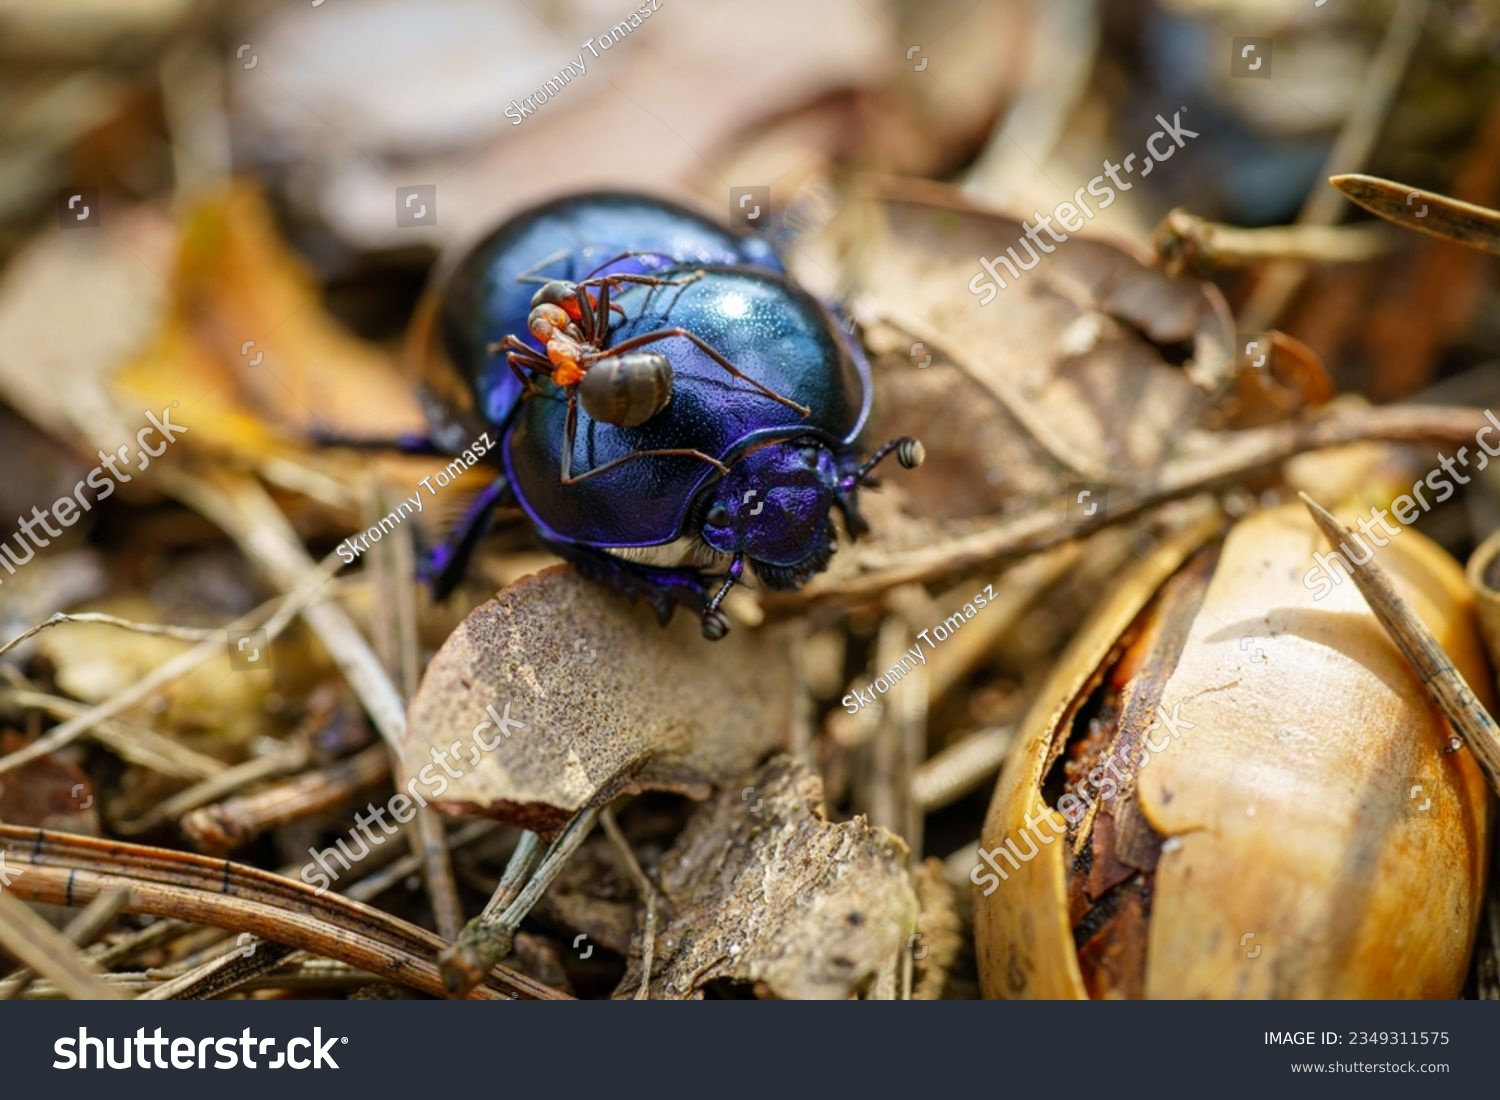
{"x":1274,"y":848}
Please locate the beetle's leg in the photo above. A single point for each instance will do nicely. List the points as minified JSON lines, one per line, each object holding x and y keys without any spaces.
{"x":666,"y":333}
{"x":443,"y":566}
{"x":413,"y":443}
{"x":662,"y":588}
{"x":715,"y":625}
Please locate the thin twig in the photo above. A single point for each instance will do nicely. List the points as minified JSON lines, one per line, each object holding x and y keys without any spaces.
{"x":183,"y":633}
{"x":274,"y":616}
{"x":648,"y":893}
{"x":1447,"y":686}
{"x":61,"y":869}
{"x":244,"y":511}
{"x":81,"y":931}
{"x":1231,"y":457}
{"x":30,"y":940}
{"x":488,"y":937}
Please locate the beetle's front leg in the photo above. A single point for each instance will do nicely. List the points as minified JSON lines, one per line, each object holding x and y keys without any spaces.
{"x":663,"y":589}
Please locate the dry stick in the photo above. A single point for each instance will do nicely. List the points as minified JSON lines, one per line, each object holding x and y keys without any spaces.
{"x":648,"y":893}
{"x":81,"y":931}
{"x":488,"y":937}
{"x":240,"y":507}
{"x":227,"y":825}
{"x":288,"y":758}
{"x":1352,"y":147}
{"x":1428,"y":212}
{"x":61,"y":869}
{"x":1232,"y":457}
{"x":1190,"y":243}
{"x":247,"y":965}
{"x":1447,"y":686}
{"x":961,"y":768}
{"x":30,"y":940}
{"x":138,"y":744}
{"x":274,"y":615}
{"x":184,"y":633}
{"x":428,"y":839}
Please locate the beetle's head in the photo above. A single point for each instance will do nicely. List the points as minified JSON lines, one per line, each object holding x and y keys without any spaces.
{"x":772,"y":508}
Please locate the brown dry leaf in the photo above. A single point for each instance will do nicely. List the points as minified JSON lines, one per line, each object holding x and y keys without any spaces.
{"x":73,"y":306}
{"x":248,"y":344}
{"x":1088,"y":368}
{"x":763,"y":888}
{"x":48,"y":793}
{"x":602,"y":701}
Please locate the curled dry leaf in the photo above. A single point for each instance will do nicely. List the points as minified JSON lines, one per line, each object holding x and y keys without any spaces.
{"x":763,"y":888}
{"x":1086,"y":368}
{"x":601,"y":702}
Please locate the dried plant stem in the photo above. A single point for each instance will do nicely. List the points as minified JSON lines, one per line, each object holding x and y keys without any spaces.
{"x":1190,"y":244}
{"x":138,"y":744}
{"x":274,"y":616}
{"x":244,"y":511}
{"x":81,"y":931}
{"x":1224,"y":459}
{"x":70,"y":870}
{"x":488,"y":937}
{"x":222,"y":827}
{"x":187,"y":634}
{"x":1447,"y":686}
{"x":960,"y":769}
{"x":30,"y":940}
{"x":648,"y":893}
{"x":289,"y":758}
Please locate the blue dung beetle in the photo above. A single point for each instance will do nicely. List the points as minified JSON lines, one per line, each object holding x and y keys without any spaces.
{"x":669,"y":401}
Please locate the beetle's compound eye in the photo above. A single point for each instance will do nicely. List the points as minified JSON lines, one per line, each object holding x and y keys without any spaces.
{"x":718,"y":516}
{"x":552,"y":293}
{"x":810,"y":453}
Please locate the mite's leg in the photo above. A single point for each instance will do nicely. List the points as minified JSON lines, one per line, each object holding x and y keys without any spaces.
{"x":443,"y":566}
{"x":570,"y":433}
{"x":521,"y":358}
{"x":530,"y":276}
{"x":666,"y":333}
{"x":643,"y":280}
